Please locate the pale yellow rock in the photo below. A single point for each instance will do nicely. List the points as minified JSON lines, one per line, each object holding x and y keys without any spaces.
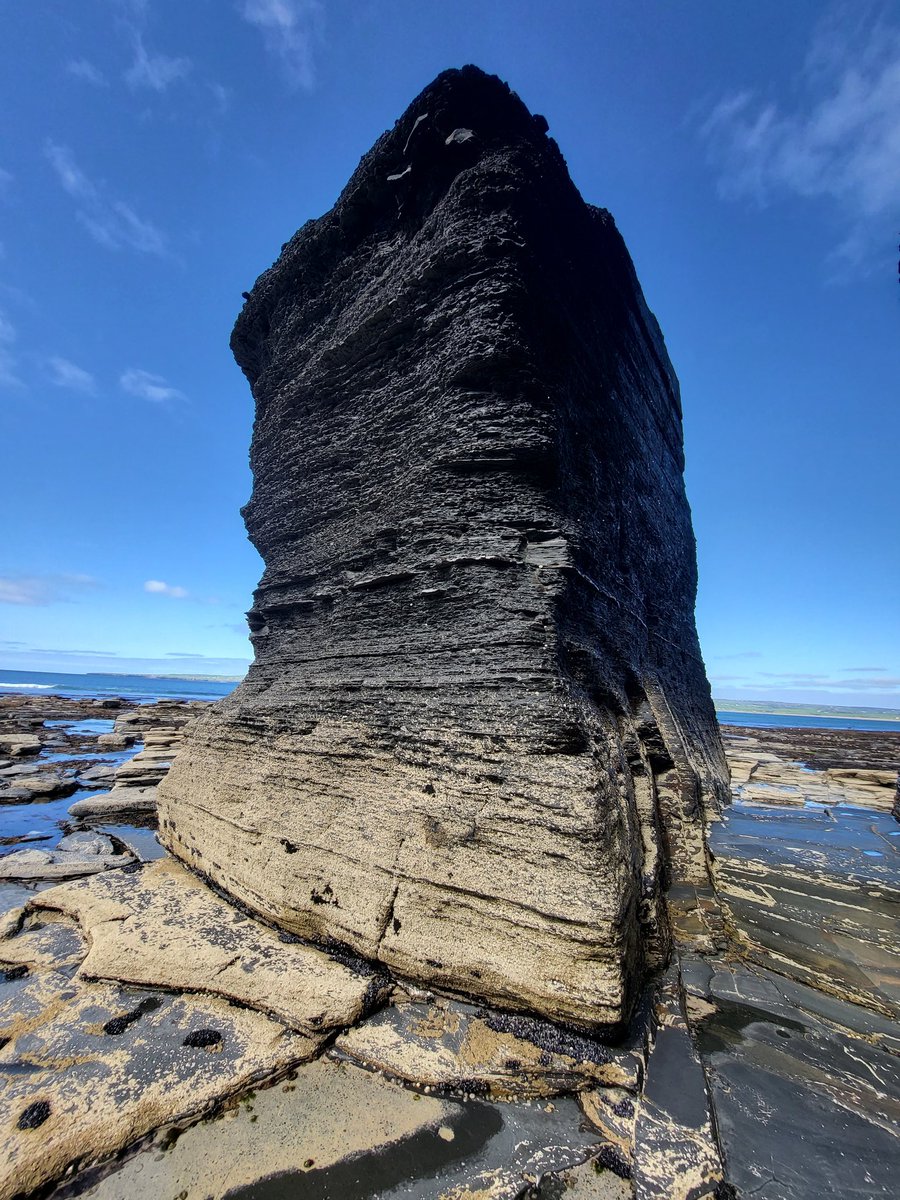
{"x":767,"y":778}
{"x":162,"y":926}
{"x":324,"y":1114}
{"x":89,"y":1069}
{"x":454,"y":1046}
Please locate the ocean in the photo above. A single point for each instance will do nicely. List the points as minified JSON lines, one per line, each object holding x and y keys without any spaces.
{"x":145,"y":689}
{"x":760,"y":720}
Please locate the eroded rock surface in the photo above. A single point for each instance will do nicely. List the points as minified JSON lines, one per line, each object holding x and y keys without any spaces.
{"x":814,"y":766}
{"x":478,"y":723}
{"x":815,"y":894}
{"x":161,"y":926}
{"x":88,"y":1068}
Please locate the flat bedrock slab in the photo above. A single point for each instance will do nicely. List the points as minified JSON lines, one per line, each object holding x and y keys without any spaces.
{"x":90,"y":1068}
{"x":118,"y":801}
{"x":786,"y":766}
{"x":478,"y":733}
{"x":331,"y":1130}
{"x":160,"y":926}
{"x":59,"y":864}
{"x":816,"y":894}
{"x":459,"y":1048}
{"x":805,"y":1088}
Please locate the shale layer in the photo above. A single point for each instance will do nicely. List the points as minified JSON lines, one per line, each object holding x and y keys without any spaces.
{"x":477,"y":741}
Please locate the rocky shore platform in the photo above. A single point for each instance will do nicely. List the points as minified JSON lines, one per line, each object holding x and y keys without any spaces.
{"x":159,"y":1040}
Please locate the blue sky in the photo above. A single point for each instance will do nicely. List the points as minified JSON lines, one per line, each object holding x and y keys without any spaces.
{"x":156,"y":154}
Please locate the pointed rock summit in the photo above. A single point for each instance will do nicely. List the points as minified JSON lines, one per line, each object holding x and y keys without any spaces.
{"x":477,"y":743}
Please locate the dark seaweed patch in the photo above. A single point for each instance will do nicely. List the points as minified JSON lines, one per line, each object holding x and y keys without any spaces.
{"x":203,"y":1038}
{"x":34,"y":1115}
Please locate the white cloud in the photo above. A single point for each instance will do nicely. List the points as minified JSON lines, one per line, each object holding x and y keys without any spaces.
{"x":146,"y":386}
{"x":148,"y":69}
{"x":38,"y":590}
{"x":70,"y":175}
{"x":290,"y":29}
{"x":86,"y":71}
{"x":110,"y":222}
{"x":66,"y":374}
{"x":8,"y":367}
{"x":883,"y":683}
{"x":159,"y":588}
{"x":118,"y":225}
{"x":6,"y":178}
{"x":154,"y":71}
{"x":221,"y":96}
{"x":840,"y":142}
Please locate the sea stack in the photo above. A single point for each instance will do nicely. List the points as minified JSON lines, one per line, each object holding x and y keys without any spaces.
{"x":477,"y":742}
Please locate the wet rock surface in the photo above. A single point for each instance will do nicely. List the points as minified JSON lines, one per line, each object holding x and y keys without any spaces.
{"x":478,"y":725}
{"x":330,"y":1130}
{"x":107,"y":1065}
{"x":48,"y":795}
{"x":734,"y":1080}
{"x":806,"y":1090}
{"x":816,"y":894}
{"x":814,"y":766}
{"x":460,"y":1048}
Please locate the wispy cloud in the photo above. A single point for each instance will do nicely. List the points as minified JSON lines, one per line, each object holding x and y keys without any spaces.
{"x":220,"y":95}
{"x":86,"y":71}
{"x":66,"y":374}
{"x":826,"y":683}
{"x":159,"y":588}
{"x":6,"y":180}
{"x":795,"y":675}
{"x":876,"y":669}
{"x":70,"y":175}
{"x":154,"y":71}
{"x":146,"y":386}
{"x":840,"y":142}
{"x":81,"y":653}
{"x":149,"y":69}
{"x":9,"y":375}
{"x":39,"y":590}
{"x":111,"y":222}
{"x":290,"y":30}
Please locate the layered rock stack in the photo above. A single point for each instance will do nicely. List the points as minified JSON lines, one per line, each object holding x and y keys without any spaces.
{"x":477,"y":742}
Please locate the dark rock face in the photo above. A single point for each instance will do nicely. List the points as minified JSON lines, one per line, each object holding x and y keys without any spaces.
{"x":477,"y":741}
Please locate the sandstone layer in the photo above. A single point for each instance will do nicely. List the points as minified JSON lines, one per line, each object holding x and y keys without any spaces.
{"x":477,"y":741}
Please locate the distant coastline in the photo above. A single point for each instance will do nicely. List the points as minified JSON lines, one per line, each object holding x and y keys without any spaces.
{"x":170,"y":675}
{"x":775,"y":709}
{"x":146,"y":687}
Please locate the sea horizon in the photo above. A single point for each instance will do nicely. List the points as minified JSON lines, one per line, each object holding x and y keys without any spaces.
{"x":135,"y":685}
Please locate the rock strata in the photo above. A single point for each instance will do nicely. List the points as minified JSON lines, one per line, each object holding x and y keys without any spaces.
{"x":786,"y":766}
{"x":477,"y":740}
{"x":133,"y":785}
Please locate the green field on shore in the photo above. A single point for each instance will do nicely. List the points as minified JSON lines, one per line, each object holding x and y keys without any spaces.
{"x":775,"y":709}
